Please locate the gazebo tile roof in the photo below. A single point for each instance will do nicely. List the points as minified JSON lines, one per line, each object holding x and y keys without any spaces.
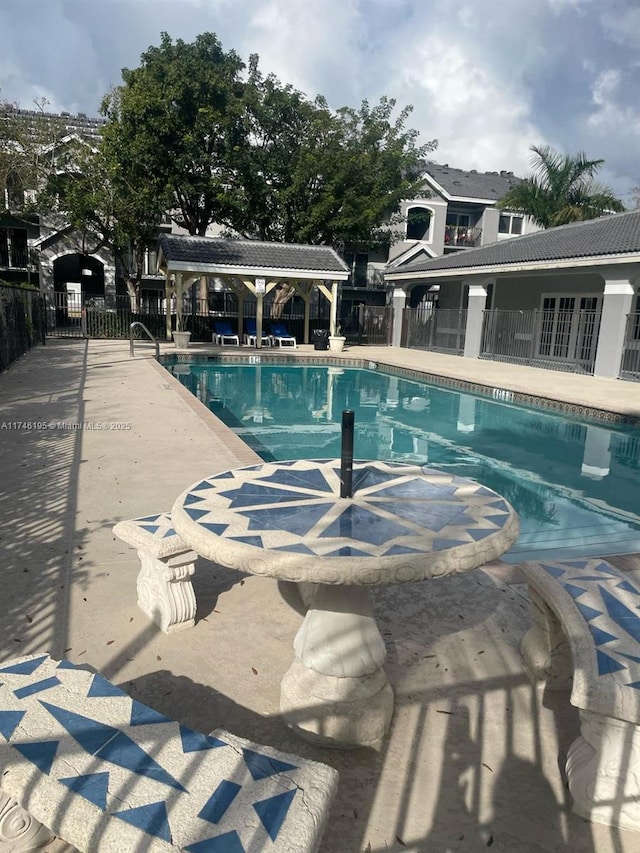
{"x":253,"y":254}
{"x":614,"y":235}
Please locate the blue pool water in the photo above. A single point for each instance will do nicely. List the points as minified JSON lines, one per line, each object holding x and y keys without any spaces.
{"x":575,"y":484}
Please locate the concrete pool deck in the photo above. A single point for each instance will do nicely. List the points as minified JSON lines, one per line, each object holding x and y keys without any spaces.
{"x":472,"y":758}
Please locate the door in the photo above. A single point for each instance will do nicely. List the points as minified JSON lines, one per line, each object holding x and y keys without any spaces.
{"x":569,"y":328}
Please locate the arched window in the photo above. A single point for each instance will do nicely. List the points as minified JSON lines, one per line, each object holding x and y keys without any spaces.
{"x":418,"y":222}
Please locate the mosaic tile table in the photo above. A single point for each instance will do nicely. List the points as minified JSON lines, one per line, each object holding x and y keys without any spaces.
{"x":107,"y":773}
{"x":286,"y":520}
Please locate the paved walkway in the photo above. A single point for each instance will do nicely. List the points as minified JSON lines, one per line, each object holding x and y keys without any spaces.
{"x":471,"y":760}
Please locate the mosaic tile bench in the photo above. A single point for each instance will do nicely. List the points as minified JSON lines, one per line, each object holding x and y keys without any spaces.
{"x":165,"y":592}
{"x":586,"y":636}
{"x":107,"y":773}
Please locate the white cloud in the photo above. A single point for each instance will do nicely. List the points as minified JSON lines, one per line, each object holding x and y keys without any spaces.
{"x":488,"y":78}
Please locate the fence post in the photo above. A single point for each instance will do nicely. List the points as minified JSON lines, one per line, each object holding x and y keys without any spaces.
{"x":534,"y":335}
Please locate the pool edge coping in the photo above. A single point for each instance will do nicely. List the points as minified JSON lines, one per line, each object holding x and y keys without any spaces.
{"x":499,"y":394}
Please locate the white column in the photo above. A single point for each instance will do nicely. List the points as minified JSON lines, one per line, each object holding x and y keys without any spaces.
{"x":475,"y":316}
{"x":616,"y":304}
{"x":399,"y":301}
{"x":333,"y":321}
{"x":259,"y":313}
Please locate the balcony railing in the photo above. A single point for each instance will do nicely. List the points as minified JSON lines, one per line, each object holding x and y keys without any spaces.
{"x":461,"y":237}
{"x":372,"y":278}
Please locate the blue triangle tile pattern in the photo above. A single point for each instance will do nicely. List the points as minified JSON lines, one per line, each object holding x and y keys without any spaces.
{"x":195,"y":741}
{"x":41,"y":754}
{"x":26,"y":668}
{"x":608,"y":602}
{"x":100,"y":686}
{"x":151,"y":819}
{"x":227,"y":843}
{"x":143,"y":715}
{"x":9,"y":721}
{"x":273,"y":811}
{"x":97,"y":741}
{"x":156,"y":527}
{"x":92,"y":786}
{"x":261,"y":766}
{"x":397,"y":510}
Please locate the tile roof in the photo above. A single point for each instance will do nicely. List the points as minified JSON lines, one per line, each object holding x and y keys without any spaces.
{"x":617,"y":235}
{"x":472,"y":184}
{"x":226,"y":252}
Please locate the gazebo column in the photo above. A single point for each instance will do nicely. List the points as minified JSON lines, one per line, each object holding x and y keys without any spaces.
{"x":399,"y":302}
{"x":167,"y":305}
{"x":305,"y":291}
{"x":616,"y":304}
{"x":259,"y":317}
{"x":475,"y":317}
{"x":333,"y":322}
{"x":240,"y":299}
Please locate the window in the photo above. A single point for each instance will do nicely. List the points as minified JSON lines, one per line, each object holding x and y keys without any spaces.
{"x":13,"y":247}
{"x":418,"y":223}
{"x":510,"y":224}
{"x":457,"y":231}
{"x":458,"y":220}
{"x":358,"y":261}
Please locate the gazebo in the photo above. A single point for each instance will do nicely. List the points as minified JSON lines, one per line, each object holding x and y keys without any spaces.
{"x":255,"y":268}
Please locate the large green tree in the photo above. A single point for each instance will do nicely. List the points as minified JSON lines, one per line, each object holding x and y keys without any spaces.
{"x":561,"y":189}
{"x":312,"y":175}
{"x":173,"y":127}
{"x":253,"y":155}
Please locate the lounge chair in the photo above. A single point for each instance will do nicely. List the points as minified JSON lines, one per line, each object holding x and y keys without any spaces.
{"x":224,"y":334}
{"x":251,"y":334}
{"x":281,"y":337}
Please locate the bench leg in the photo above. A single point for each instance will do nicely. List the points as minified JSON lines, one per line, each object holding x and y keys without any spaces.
{"x":19,"y":831}
{"x":544,"y":647}
{"x":603,"y":771}
{"x":165,"y":592}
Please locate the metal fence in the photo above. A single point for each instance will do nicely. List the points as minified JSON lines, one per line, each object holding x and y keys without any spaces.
{"x":440,"y":329}
{"x":80,"y":315}
{"x":630,"y":366}
{"x":558,"y":340}
{"x":22,"y":322}
{"x":369,"y":324}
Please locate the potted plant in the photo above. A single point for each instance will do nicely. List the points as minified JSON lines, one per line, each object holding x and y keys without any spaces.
{"x":180,"y":336}
{"x":337,"y":341}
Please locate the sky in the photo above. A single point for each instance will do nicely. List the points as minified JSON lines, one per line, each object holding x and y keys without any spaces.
{"x":486,"y":78}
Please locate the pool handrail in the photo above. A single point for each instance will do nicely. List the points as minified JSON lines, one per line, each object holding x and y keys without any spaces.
{"x":142,"y":326}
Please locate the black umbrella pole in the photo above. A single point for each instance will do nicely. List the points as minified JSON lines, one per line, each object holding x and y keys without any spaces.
{"x":346,"y":455}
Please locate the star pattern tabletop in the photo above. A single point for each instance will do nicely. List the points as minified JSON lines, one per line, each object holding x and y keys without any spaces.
{"x":287,"y":520}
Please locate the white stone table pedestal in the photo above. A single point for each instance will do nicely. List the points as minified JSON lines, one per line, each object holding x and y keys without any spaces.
{"x":287,"y":520}
{"x":336,"y":690}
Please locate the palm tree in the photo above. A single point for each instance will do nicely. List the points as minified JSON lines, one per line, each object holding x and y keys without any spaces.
{"x":561,"y":190}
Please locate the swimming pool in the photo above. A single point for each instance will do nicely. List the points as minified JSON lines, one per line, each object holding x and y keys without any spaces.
{"x":575,"y":484}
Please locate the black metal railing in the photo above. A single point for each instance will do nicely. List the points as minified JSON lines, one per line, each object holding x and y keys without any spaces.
{"x":22,"y":322}
{"x":558,"y":340}
{"x":439,"y":329}
{"x":71,"y":314}
{"x":630,"y":366}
